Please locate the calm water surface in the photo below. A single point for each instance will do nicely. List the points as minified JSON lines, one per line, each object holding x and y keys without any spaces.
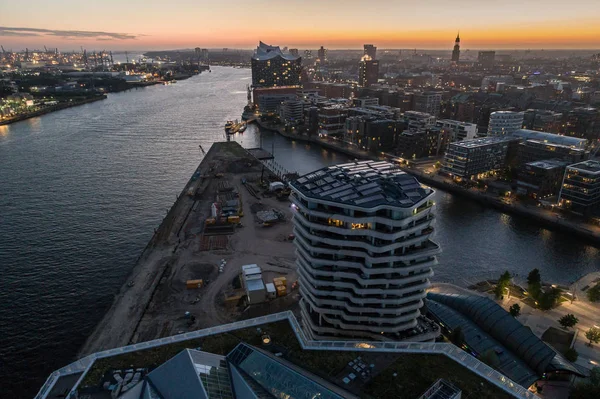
{"x":81,"y":191}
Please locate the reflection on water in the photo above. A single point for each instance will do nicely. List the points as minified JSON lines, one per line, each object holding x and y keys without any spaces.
{"x":83,"y":189}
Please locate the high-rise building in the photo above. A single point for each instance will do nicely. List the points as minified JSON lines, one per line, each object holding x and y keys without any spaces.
{"x":456,"y":51}
{"x":428,"y":102}
{"x":581,"y":187}
{"x":271,"y":67}
{"x":294,"y":52}
{"x":368,"y":71}
{"x":371,"y":51}
{"x":364,"y":251}
{"x":486,"y":59}
{"x":504,"y":123}
{"x":322,"y":55}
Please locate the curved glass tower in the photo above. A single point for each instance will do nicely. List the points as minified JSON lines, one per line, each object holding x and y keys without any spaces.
{"x":364,"y":252}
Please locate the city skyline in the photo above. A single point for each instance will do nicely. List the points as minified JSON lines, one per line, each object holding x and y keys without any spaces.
{"x":148,"y":25}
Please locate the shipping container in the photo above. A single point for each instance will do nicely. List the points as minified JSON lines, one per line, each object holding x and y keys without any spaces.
{"x":281,"y":290}
{"x":193,"y":284}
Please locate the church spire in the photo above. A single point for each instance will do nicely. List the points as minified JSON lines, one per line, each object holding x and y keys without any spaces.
{"x":456,"y":51}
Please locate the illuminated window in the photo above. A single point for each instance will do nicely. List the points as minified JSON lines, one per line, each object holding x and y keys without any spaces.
{"x":336,"y":223}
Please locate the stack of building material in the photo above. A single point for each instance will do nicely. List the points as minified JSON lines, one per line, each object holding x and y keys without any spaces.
{"x":280,"y":285}
{"x":193,"y":284}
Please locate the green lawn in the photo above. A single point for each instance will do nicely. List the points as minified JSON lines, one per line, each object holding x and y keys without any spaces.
{"x":416,"y":373}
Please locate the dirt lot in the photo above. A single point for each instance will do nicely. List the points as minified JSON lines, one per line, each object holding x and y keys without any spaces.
{"x":269,"y":247}
{"x":153,"y":301}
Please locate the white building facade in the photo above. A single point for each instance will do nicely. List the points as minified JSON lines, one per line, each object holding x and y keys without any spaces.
{"x":363,"y":236}
{"x":504,"y":123}
{"x":459,"y":130}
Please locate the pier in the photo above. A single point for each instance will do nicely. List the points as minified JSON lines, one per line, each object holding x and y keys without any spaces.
{"x":153,"y":300}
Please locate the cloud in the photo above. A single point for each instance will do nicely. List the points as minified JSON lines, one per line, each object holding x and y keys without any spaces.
{"x":66,"y":34}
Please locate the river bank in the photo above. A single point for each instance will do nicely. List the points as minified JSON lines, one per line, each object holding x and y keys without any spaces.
{"x":52,"y":108}
{"x":120,"y":322}
{"x":544,"y":217}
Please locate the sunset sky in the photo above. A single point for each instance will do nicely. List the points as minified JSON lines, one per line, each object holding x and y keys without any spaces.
{"x":425,"y":24}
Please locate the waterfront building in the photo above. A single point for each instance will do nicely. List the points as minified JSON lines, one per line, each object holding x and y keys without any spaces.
{"x":486,"y":59}
{"x":268,"y":100}
{"x":332,"y":120}
{"x":364,"y":252}
{"x":421,"y":143}
{"x":580,"y":190}
{"x":458,"y":130}
{"x":271,"y":67}
{"x":428,"y":102}
{"x":470,"y":159}
{"x":370,"y":51}
{"x":456,"y":50}
{"x":504,"y":123}
{"x":271,"y":356}
{"x":292,"y":111}
{"x":368,"y":71}
{"x":294,"y":52}
{"x":541,"y":179}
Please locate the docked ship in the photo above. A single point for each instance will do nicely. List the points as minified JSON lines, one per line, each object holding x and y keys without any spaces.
{"x":235,"y":127}
{"x":228,"y":127}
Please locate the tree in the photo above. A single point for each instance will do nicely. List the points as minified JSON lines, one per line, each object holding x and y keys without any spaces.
{"x":534,"y":276}
{"x":515,"y":310}
{"x":590,"y":389}
{"x":457,"y":336}
{"x":534,"y":283}
{"x":549,"y":299}
{"x":593,"y":293}
{"x":571,"y":355}
{"x":568,"y":321}
{"x":593,"y":334}
{"x":502,"y":284}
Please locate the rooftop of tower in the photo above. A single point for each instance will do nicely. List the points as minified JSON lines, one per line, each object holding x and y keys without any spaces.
{"x":266,"y":52}
{"x":367,"y":184}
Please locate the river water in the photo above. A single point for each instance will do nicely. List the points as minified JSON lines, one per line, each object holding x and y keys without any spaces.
{"x":82,"y":189}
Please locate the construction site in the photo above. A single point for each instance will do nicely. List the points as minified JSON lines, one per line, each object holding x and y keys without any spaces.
{"x":224,"y":252}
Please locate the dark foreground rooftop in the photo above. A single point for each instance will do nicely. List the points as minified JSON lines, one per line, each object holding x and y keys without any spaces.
{"x":234,"y":358}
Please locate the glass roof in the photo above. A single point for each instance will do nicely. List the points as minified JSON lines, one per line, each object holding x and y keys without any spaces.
{"x":275,"y":377}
